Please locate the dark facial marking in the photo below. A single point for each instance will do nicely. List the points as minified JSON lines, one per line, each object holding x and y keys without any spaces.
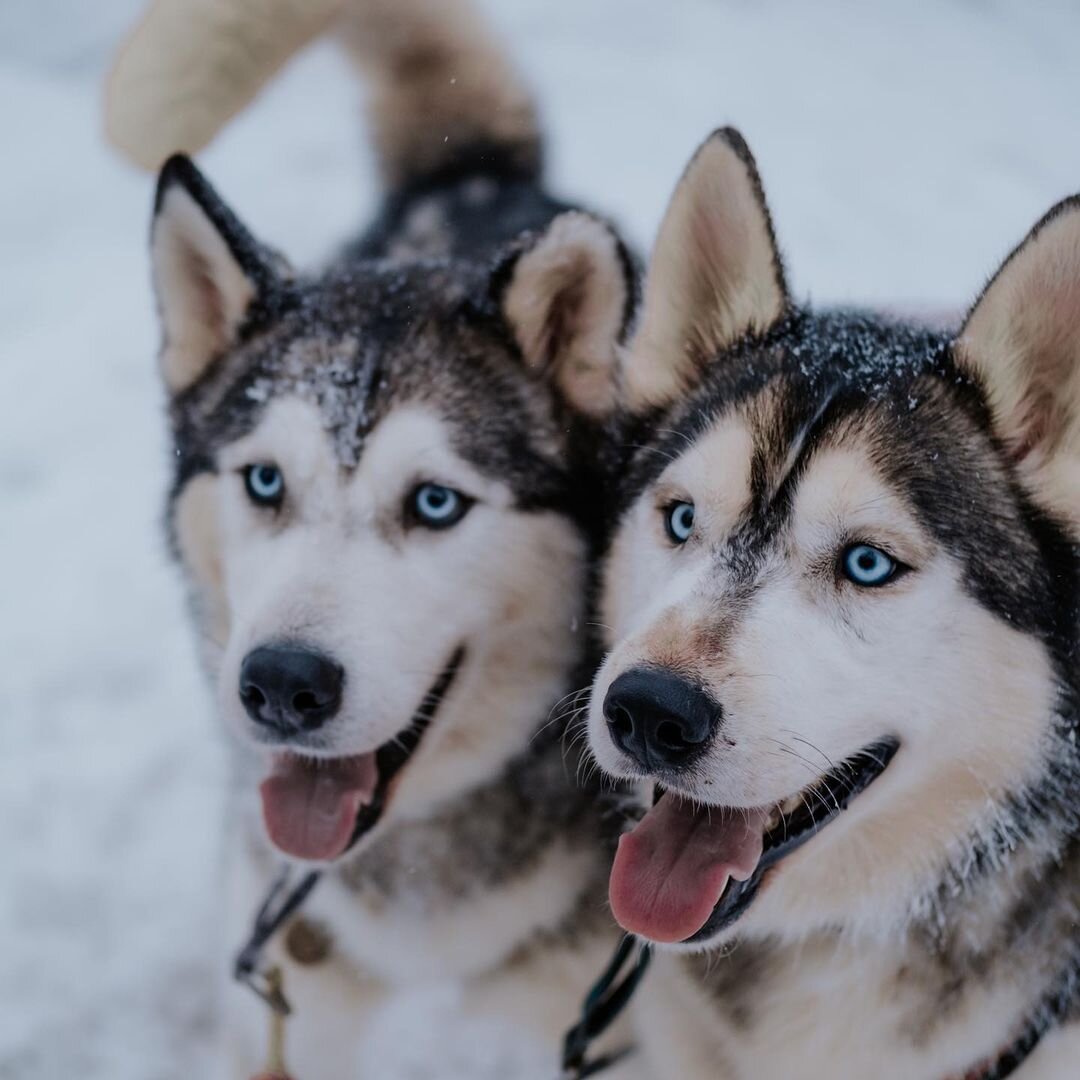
{"x":365,"y":341}
{"x":817,"y":376}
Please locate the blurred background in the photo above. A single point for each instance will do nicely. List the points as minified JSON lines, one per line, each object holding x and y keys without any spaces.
{"x":905,"y":148}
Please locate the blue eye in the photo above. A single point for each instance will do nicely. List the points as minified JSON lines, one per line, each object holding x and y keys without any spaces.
{"x":679,"y":521}
{"x":265,"y":484}
{"x":867,"y":566}
{"x":438,"y":506}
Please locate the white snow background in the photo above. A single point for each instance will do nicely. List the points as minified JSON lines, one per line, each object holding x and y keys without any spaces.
{"x":905,"y":148}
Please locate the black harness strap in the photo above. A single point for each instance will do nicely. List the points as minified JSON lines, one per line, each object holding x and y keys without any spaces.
{"x":603,"y":1003}
{"x":610,"y":995}
{"x":606,"y":999}
{"x":276,"y":909}
{"x":1052,"y":1010}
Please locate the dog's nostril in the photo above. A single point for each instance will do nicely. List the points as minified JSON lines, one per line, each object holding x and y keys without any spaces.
{"x":305,"y":701}
{"x":671,"y":735}
{"x":253,"y":695}
{"x":290,"y":689}
{"x":659,"y":718}
{"x":620,"y":719}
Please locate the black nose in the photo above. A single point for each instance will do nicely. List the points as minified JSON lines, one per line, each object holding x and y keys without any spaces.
{"x":290,"y":689}
{"x":659,"y":718}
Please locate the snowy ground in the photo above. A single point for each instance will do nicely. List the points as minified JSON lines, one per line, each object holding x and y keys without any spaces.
{"x":905,"y":148}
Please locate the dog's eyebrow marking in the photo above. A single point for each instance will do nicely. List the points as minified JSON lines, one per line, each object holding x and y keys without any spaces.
{"x":777,"y":497}
{"x":801,"y":440}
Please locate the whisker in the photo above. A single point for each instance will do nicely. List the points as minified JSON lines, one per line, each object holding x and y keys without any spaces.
{"x":651,"y":450}
{"x":817,"y":749}
{"x":679,"y":434}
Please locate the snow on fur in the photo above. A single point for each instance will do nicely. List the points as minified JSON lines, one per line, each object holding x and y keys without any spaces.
{"x":904,"y":154}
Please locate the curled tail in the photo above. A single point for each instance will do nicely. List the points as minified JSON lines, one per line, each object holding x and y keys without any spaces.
{"x":443,"y":95}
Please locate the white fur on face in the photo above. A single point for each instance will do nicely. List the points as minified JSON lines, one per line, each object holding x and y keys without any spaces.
{"x":814,"y":669}
{"x":336,"y":569}
{"x":641,"y":542}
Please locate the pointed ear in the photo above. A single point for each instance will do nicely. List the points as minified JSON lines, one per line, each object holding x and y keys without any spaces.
{"x":1021,"y":341}
{"x":714,"y":276}
{"x":209,"y":273}
{"x":567,"y":299}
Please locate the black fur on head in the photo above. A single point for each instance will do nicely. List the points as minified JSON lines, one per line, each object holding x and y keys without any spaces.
{"x":931,"y":428}
{"x":973,"y":433}
{"x":378,"y":328}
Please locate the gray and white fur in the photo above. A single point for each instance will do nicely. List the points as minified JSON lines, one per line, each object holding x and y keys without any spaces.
{"x":462,"y":342}
{"x":840,"y":533}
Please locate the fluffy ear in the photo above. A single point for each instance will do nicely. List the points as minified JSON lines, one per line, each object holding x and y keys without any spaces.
{"x":567,"y":300}
{"x":1022,"y":342}
{"x":714,"y":276}
{"x":208,"y":272}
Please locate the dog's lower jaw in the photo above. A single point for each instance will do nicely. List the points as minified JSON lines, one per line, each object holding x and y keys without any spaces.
{"x":687,"y":872}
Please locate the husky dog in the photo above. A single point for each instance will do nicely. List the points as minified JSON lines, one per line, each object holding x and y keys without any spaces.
{"x":380,"y":506}
{"x":842,"y":609}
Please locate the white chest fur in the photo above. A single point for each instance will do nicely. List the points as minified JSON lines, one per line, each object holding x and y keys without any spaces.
{"x":403,"y":942}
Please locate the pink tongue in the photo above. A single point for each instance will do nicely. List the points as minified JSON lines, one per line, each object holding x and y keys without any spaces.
{"x":310,"y":807}
{"x":671,"y":870}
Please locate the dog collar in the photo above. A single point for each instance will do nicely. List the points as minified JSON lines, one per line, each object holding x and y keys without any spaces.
{"x":607,"y":998}
{"x":1048,"y":1014}
{"x":282,"y":901}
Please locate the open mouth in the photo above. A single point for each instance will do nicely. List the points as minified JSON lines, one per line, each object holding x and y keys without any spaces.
{"x":317,"y":808}
{"x":687,"y":871}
